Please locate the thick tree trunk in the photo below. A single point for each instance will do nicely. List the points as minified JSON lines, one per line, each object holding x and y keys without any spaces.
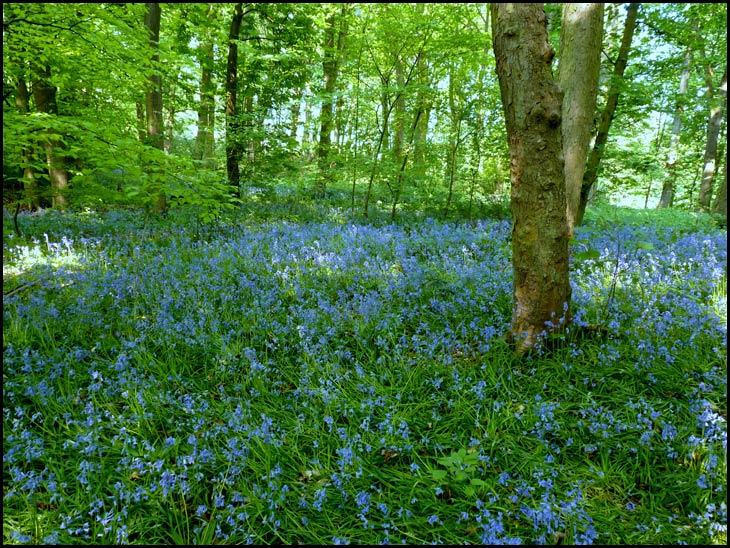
{"x":578,"y":74}
{"x":532,"y":105}
{"x":714,"y":124}
{"x":44,"y":95}
{"x":667,"y":198}
{"x":232,"y":117}
{"x":594,"y":158}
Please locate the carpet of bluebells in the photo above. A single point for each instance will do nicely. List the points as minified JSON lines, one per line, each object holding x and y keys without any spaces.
{"x":337,"y":382}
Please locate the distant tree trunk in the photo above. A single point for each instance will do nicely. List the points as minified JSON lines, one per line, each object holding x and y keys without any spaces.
{"x":594,"y":158}
{"x":720,"y":204}
{"x":423,"y":105}
{"x":308,"y":134}
{"x":170,"y":126}
{"x":454,"y":135}
{"x":714,"y":124}
{"x":44,"y":95}
{"x":296,"y":109}
{"x":30,"y":183}
{"x":385,"y":108}
{"x":578,"y":74}
{"x":153,"y":98}
{"x":232,"y":116}
{"x":532,"y":104}
{"x":399,"y":114}
{"x":205,"y":139}
{"x":667,"y":198}
{"x":141,"y":122}
{"x":334,"y":41}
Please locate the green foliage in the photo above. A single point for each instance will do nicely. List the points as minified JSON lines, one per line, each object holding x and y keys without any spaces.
{"x":460,"y":470}
{"x":98,"y":59}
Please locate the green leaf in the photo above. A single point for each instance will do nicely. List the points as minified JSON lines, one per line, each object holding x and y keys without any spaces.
{"x":591,"y":255}
{"x":438,"y":475}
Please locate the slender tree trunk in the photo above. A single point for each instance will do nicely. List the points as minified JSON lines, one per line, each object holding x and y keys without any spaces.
{"x":578,"y":74}
{"x":532,"y":103}
{"x":44,"y":95}
{"x":232,"y":116}
{"x":399,"y":114}
{"x":205,"y":139}
{"x":30,"y":182}
{"x":714,"y":124}
{"x":308,"y":135}
{"x":667,"y":198}
{"x":333,"y":45}
{"x":720,"y":204}
{"x":153,"y":98}
{"x":296,"y":109}
{"x":594,"y":158}
{"x":423,"y":104}
{"x":141,"y":122}
{"x":170,"y":126}
{"x":153,"y":101}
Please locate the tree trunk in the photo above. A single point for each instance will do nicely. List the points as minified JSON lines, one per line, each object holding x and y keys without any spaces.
{"x":30,"y":183}
{"x":532,"y":105}
{"x":141,"y":121}
{"x":423,"y":105}
{"x":720,"y":204}
{"x":334,"y":41}
{"x":454,"y":134}
{"x":296,"y":109}
{"x":578,"y":75}
{"x":205,"y":138}
{"x":44,"y":95}
{"x":667,"y":198}
{"x":153,"y":99}
{"x":232,"y":117}
{"x":594,"y":158}
{"x":714,"y":124}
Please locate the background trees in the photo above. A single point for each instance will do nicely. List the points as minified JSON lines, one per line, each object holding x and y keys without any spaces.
{"x":392,"y":106}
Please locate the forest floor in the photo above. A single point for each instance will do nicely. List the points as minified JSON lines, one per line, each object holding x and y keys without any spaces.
{"x":311,"y":378}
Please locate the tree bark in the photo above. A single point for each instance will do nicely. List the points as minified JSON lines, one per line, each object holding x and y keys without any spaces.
{"x":667,"y":198}
{"x":594,"y":158}
{"x":205,"y":138}
{"x":714,"y":124}
{"x":578,"y":74}
{"x":44,"y":95}
{"x":720,"y":204}
{"x":334,"y":43}
{"x":532,"y":104}
{"x":153,"y":99}
{"x":232,"y":117}
{"x":423,"y":106}
{"x":30,"y":183}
